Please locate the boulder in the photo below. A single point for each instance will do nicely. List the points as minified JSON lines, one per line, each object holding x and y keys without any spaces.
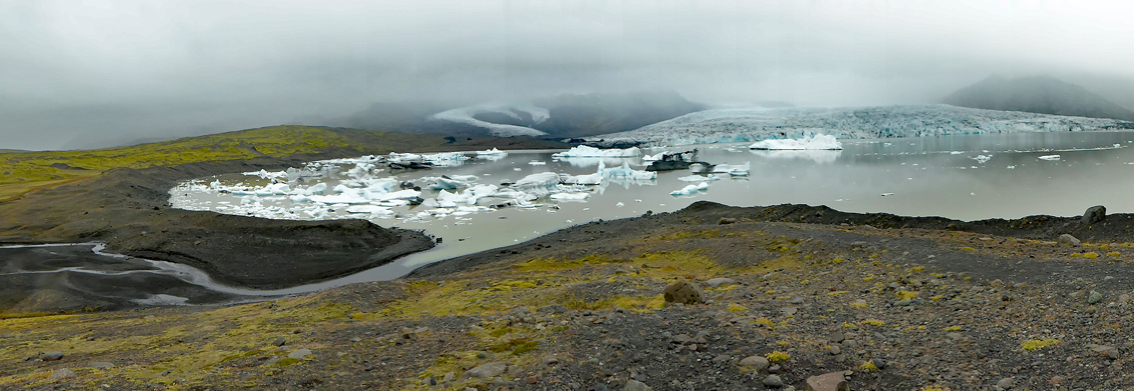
{"x":62,"y":373}
{"x":634,"y":385}
{"x":1067,"y":239}
{"x":682,"y":291}
{"x":1093,"y":215}
{"x":755,"y":362}
{"x":834,"y":381}
{"x":487,"y":370}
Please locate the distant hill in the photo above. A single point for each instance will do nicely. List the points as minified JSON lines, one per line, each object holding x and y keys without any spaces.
{"x":1044,"y":95}
{"x":562,"y":116}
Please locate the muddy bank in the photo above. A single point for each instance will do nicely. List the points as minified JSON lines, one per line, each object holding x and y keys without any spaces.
{"x":128,"y":209}
{"x":1116,"y":227}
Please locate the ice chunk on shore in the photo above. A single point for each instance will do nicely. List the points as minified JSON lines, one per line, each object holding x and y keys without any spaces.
{"x":817,"y":142}
{"x":588,"y":151}
{"x":1050,"y":157}
{"x":691,"y":189}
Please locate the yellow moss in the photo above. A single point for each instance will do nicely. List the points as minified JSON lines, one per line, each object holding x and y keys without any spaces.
{"x":953,"y":328}
{"x":837,"y":293}
{"x":736,"y":308}
{"x":902,"y":295}
{"x":771,"y":292}
{"x":859,"y":305}
{"x":935,"y":298}
{"x":868,"y":366}
{"x":1076,"y":255}
{"x":874,"y":322}
{"x":917,"y":269}
{"x":777,"y":356}
{"x":968,"y":249}
{"x":849,"y":325}
{"x":1114,"y":254}
{"x":1091,"y":255}
{"x":762,"y":321}
{"x":1034,"y":344}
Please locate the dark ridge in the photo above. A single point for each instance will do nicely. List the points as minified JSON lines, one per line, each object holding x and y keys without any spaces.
{"x":1042,"y":94}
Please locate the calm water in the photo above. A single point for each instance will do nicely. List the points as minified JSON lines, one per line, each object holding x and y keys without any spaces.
{"x":917,"y":177}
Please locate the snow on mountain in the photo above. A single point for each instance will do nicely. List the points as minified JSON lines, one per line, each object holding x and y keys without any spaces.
{"x":756,"y":124}
{"x":464,"y":115}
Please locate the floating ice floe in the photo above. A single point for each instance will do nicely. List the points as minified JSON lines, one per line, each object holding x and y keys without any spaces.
{"x":817,"y":142}
{"x":982,"y":159}
{"x":733,"y":169}
{"x":587,"y":151}
{"x":537,"y":163}
{"x":491,"y":152}
{"x":570,"y":196}
{"x":691,"y":189}
{"x":1049,"y":157}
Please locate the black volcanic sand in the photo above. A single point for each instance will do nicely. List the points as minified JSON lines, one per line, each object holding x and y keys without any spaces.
{"x":73,"y":278}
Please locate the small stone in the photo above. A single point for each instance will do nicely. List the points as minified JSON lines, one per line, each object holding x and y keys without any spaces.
{"x":715,"y":282}
{"x":481,"y":355}
{"x":550,"y":361}
{"x":634,"y":385}
{"x":299,"y":354}
{"x":755,"y":362}
{"x":775,"y":368}
{"x":487,"y":370}
{"x":835,"y":350}
{"x":533,"y":379}
{"x":726,"y":220}
{"x":837,"y":337}
{"x":880,"y":363}
{"x":1093,"y":215}
{"x":721,"y":359}
{"x":1057,"y":380}
{"x":954,"y":335}
{"x":834,"y":381}
{"x":599,"y":387}
{"x":62,"y":373}
{"x":773,"y":381}
{"x":52,"y":356}
{"x":996,"y":283}
{"x":1094,"y":297}
{"x":1123,"y":298}
{"x":1067,"y":239}
{"x":905,"y":302}
{"x":683,"y":292}
{"x":279,"y":341}
{"x":682,"y":338}
{"x":449,"y":377}
{"x":1006,"y":383}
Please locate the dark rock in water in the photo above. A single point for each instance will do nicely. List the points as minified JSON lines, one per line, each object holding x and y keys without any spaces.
{"x":416,"y":201}
{"x":662,"y":165}
{"x":684,"y":292}
{"x":411,"y":166}
{"x":1093,"y":215}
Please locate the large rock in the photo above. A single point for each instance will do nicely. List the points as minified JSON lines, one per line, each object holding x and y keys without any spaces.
{"x":1093,"y":215}
{"x":487,"y":370}
{"x":755,"y":362}
{"x":682,"y":291}
{"x":634,"y":385}
{"x":62,"y":373}
{"x":1069,"y":240}
{"x":834,"y":381}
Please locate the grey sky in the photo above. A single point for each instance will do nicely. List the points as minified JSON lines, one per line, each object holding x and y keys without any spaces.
{"x":130,"y":69}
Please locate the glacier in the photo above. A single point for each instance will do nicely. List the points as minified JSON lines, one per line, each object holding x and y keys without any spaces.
{"x":464,"y":115}
{"x":757,"y":124}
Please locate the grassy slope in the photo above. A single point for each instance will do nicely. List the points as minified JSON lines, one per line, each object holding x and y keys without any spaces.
{"x":29,"y":171}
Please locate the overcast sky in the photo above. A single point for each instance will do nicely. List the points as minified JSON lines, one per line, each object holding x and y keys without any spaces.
{"x":81,"y":70}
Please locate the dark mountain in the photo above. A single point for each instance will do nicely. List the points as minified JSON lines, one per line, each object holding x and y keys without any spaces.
{"x":571,"y":115}
{"x":1041,"y":94}
{"x":591,"y":114}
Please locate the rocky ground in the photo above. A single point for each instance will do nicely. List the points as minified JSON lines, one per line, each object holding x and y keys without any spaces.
{"x":888,"y":308}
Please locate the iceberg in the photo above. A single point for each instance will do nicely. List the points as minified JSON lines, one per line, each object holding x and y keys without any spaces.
{"x":1050,"y":157}
{"x":570,"y":196}
{"x":817,"y":142}
{"x":691,"y":189}
{"x":733,"y":169}
{"x":625,"y":172}
{"x":588,"y":151}
{"x":491,"y":152}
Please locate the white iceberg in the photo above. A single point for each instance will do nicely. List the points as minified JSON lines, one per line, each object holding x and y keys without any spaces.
{"x":982,"y":159}
{"x":817,"y":142}
{"x":588,"y":151}
{"x":570,"y":196}
{"x":733,"y":169}
{"x":1050,"y":157}
{"x":691,"y":189}
{"x":491,"y":152}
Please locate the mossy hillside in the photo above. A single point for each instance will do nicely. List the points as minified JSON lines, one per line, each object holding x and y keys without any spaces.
{"x":27,"y":171}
